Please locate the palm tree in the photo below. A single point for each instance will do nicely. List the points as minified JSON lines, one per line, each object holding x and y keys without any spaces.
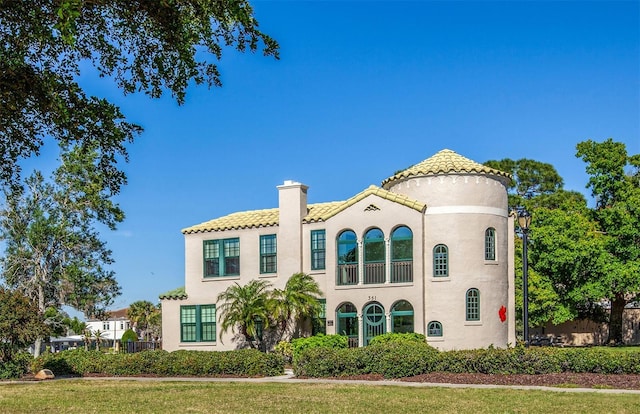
{"x":99,"y":336}
{"x":142,"y":314}
{"x":246,"y":307}
{"x":298,"y":301}
{"x":87,"y":336}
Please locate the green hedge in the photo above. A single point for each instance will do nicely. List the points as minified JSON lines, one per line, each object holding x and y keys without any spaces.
{"x":397,"y":359}
{"x":16,"y":367}
{"x":241,"y":363}
{"x":393,"y":359}
{"x":397,"y":337}
{"x":298,"y":345}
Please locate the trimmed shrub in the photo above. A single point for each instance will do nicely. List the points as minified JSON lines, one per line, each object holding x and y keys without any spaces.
{"x":128,"y":335}
{"x":319,"y":362}
{"x":600,"y":360}
{"x":517,"y":360}
{"x":318,"y":341}
{"x":242,"y":363}
{"x":17,"y":366}
{"x":390,"y":359}
{"x":400,"y":358}
{"x":398,"y":337}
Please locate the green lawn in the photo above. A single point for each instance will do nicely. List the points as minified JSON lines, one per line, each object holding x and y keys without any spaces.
{"x":105,"y":396}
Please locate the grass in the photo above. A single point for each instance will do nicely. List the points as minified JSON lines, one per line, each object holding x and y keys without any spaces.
{"x":618,"y":349}
{"x":105,"y":396}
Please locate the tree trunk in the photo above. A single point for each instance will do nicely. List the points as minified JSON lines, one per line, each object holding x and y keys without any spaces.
{"x":36,"y":347}
{"x":615,"y":320}
{"x":38,"y":344}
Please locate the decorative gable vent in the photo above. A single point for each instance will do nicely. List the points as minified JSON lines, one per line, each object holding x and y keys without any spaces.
{"x":372,"y":207}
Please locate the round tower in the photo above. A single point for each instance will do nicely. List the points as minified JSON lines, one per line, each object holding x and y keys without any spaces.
{"x":468,"y":257}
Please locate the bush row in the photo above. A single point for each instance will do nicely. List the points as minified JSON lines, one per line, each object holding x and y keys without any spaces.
{"x":397,"y":359}
{"x":16,"y":367}
{"x":394,"y":359}
{"x":243,"y":363}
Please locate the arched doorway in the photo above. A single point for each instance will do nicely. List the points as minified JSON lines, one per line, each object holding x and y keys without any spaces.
{"x":402,"y":317}
{"x":347,"y":316}
{"x":374,"y":321}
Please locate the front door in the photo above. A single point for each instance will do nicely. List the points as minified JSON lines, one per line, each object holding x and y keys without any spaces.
{"x":374,"y":321}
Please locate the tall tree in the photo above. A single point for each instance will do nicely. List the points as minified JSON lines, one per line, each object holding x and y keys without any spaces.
{"x":246,"y":308}
{"x":298,"y":301}
{"x":53,"y":253}
{"x":530,"y":179}
{"x":614,"y":182}
{"x":144,"y":317}
{"x":536,"y":185}
{"x":21,"y":323}
{"x":143,"y":46}
{"x":569,"y":252}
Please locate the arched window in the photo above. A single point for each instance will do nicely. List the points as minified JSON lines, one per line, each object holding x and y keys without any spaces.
{"x":374,"y":256}
{"x":473,"y":304}
{"x":347,"y":316}
{"x":373,"y":321}
{"x":402,"y":255}
{"x":347,"y":259}
{"x":402,"y":317}
{"x":434,"y":328}
{"x":490,"y":244}
{"x":440,"y":261}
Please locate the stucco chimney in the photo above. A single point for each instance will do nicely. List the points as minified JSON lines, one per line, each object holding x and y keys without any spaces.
{"x":292,"y":199}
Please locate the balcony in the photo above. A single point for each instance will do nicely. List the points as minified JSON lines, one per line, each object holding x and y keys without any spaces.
{"x":347,"y":274}
{"x":374,"y":273}
{"x":402,"y":272}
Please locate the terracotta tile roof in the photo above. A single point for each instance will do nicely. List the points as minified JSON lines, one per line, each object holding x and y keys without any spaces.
{"x":240,"y":220}
{"x":178,"y":293}
{"x":443,"y":162}
{"x":315,"y":213}
{"x":112,"y":315}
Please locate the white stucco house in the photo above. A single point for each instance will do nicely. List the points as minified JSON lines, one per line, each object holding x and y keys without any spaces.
{"x":112,"y":326}
{"x":430,"y":251}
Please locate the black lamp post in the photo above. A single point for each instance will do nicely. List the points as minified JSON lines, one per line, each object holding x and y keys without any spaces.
{"x":524,"y":220}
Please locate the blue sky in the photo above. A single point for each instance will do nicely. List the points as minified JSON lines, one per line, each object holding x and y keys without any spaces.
{"x":364,"y":89}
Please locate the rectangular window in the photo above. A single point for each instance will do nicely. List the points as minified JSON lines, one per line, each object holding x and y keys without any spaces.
{"x":318,"y":249}
{"x":188,"y":323}
{"x":198,"y":323}
{"x":211,"y":258}
{"x":221,"y":257}
{"x":208,"y":323}
{"x":268,"y":253}
{"x":105,"y":326}
{"x":121,"y":326}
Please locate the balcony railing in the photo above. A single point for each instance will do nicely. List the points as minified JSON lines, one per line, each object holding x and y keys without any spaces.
{"x":347,"y":274}
{"x":402,"y":272}
{"x":374,"y":273}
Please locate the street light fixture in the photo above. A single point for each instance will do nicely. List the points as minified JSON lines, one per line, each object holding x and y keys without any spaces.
{"x":524,"y":220}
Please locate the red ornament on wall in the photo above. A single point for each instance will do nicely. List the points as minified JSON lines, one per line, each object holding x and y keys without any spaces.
{"x":502,"y":313}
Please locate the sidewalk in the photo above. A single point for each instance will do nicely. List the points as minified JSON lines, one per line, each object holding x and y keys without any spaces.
{"x":288,"y":377}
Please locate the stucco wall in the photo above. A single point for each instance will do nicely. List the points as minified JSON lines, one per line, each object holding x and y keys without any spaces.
{"x":459,"y":210}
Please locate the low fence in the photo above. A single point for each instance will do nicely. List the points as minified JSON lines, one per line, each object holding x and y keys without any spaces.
{"x":137,"y":346}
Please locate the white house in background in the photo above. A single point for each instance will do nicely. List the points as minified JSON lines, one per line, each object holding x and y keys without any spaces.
{"x":429,"y":251}
{"x":113,"y":326}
